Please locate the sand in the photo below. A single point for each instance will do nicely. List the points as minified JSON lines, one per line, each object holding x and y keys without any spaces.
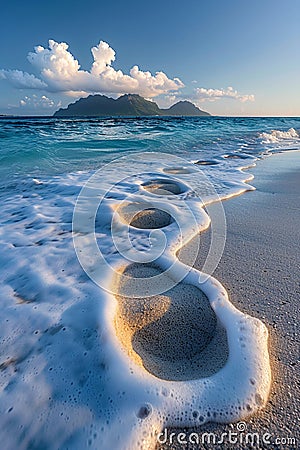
{"x":174,"y":336}
{"x":260,"y":270}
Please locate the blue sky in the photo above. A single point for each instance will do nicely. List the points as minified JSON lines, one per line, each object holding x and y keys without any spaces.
{"x":229,"y":57}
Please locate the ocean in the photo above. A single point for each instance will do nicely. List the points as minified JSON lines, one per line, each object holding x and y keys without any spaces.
{"x":49,"y":146}
{"x":69,"y":190}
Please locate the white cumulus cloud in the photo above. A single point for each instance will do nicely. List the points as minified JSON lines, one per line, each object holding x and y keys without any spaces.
{"x":202,"y":94}
{"x":35,"y":102}
{"x":59,"y":71}
{"x":22,"y":80}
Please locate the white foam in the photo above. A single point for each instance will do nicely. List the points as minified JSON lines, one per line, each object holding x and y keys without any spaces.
{"x":62,"y":366}
{"x":276,"y":136}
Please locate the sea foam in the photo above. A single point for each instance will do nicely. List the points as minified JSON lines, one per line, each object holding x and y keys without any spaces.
{"x":278,"y":136}
{"x":241,"y":384}
{"x":65,"y":365}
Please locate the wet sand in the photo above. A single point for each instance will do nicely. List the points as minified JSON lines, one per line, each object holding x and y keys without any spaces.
{"x":174,"y":336}
{"x":260,"y":270}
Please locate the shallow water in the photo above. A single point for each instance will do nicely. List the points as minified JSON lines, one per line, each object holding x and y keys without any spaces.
{"x":47,"y":146}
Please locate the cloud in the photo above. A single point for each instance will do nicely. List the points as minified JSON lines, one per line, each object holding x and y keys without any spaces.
{"x":167,"y":100}
{"x":59,"y":71}
{"x":35,"y":102}
{"x":22,"y":80}
{"x":200,"y":95}
{"x":212,"y":95}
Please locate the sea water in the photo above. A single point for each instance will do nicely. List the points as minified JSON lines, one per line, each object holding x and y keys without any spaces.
{"x":66,"y":381}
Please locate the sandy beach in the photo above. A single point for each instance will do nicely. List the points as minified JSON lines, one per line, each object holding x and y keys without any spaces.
{"x":260,"y":270}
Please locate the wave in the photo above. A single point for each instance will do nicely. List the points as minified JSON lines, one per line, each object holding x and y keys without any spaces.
{"x":278,"y":136}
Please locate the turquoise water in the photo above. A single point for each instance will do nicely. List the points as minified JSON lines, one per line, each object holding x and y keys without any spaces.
{"x":47,"y":146}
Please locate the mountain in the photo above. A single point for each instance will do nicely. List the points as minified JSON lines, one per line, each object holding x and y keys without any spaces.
{"x":184,"y":108}
{"x":126,"y":105}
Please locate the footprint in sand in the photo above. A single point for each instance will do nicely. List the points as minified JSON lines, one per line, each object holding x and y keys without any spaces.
{"x":175,"y":335}
{"x":142,"y":215}
{"x":178,"y":170}
{"x":205,"y":162}
{"x":164,"y":186}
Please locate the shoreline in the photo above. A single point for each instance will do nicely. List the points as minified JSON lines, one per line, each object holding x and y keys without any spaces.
{"x":259,"y":269}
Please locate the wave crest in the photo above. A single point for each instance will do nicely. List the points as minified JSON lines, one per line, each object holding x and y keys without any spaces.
{"x":278,"y":136}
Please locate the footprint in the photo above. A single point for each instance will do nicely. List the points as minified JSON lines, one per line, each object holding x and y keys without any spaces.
{"x":236,"y":156}
{"x":151,"y":218}
{"x":174,"y":336}
{"x":204,"y":162}
{"x":164,"y":186}
{"x":178,"y":170}
{"x":143,"y":215}
{"x":210,"y":359}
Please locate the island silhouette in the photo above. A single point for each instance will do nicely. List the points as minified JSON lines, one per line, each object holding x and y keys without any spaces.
{"x":126,"y":105}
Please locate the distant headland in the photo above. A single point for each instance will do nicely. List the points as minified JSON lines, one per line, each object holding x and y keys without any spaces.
{"x":126,"y":105}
